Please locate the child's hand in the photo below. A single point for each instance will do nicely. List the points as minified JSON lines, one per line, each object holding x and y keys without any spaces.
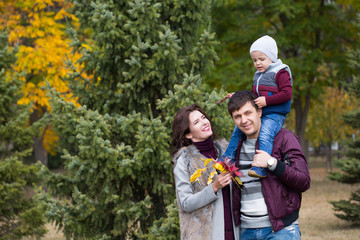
{"x":229,"y":95}
{"x":260,"y":102}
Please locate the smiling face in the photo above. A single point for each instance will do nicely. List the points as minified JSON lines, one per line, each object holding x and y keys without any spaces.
{"x":261,"y":61}
{"x":200,"y":127}
{"x":248,"y":120}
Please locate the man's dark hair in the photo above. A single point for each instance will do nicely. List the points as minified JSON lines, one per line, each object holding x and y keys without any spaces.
{"x":239,"y":99}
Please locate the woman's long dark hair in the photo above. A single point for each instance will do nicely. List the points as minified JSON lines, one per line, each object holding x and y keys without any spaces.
{"x":181,"y":126}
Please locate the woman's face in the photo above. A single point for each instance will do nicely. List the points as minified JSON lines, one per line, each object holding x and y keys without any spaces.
{"x":200,"y":127}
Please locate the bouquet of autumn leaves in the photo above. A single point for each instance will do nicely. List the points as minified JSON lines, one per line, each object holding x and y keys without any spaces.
{"x":221,"y":166}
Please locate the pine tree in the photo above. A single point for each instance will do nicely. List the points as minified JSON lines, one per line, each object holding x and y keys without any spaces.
{"x":20,"y":214}
{"x":349,"y":210}
{"x":145,"y":63}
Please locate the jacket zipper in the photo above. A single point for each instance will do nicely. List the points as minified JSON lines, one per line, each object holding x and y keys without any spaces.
{"x":257,"y":85}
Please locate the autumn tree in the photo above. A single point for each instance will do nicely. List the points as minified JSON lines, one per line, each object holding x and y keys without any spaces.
{"x":146,"y":63}
{"x":38,"y":28}
{"x":20,"y":215}
{"x":325,"y":127}
{"x":349,"y":210}
{"x":311,"y":36}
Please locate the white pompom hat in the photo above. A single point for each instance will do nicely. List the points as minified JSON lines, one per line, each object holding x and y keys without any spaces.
{"x":266,"y":45}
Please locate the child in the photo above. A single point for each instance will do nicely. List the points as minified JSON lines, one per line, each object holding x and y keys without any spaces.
{"x":273,"y":85}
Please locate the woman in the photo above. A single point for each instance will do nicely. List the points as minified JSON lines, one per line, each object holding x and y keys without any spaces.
{"x":204,"y":210}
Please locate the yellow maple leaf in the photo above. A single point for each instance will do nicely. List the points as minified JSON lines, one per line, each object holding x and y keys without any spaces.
{"x":212,"y":174}
{"x":220,"y":167}
{"x":237,"y":179}
{"x":206,"y":161}
{"x":196,"y":174}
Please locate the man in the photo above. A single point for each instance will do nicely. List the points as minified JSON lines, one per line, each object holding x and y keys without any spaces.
{"x":268,"y":207}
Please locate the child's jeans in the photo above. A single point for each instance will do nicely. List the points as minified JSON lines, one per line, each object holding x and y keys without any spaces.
{"x":270,"y":126}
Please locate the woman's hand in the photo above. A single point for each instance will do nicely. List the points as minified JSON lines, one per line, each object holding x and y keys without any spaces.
{"x":221,"y":181}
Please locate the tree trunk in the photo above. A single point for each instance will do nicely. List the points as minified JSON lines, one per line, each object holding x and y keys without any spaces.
{"x":301,"y":113}
{"x":329,"y":158}
{"x":39,"y":152}
{"x":305,"y":148}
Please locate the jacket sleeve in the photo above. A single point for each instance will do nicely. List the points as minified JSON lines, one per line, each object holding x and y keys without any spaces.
{"x":190,"y":201}
{"x":292,"y":170}
{"x":284,"y":93}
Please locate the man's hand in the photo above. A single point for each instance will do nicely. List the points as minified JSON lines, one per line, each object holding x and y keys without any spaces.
{"x":260,"y":159}
{"x":260,"y":102}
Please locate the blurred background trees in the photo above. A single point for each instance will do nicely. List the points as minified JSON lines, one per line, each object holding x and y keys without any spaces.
{"x":312,"y":37}
{"x":38,"y":28}
{"x":325,"y":126}
{"x":349,"y":165}
{"x":20,"y":215}
{"x":118,"y":71}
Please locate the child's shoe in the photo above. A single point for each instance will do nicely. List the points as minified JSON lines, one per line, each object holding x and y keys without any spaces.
{"x":257,"y":172}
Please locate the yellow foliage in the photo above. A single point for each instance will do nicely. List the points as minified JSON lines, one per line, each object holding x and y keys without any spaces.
{"x":38,"y":27}
{"x":197,"y":174}
{"x":51,"y":140}
{"x":220,"y":167}
{"x":238,"y":181}
{"x":325,"y":123}
{"x":208,"y":160}
{"x":212,"y":174}
{"x":40,"y":23}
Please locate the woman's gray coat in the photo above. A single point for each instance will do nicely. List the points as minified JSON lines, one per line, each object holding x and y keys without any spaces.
{"x":201,"y":211}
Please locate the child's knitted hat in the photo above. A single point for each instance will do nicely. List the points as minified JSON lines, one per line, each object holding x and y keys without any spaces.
{"x":266,"y":45}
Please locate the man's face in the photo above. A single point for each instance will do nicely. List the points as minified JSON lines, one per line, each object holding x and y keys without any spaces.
{"x":248,"y":120}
